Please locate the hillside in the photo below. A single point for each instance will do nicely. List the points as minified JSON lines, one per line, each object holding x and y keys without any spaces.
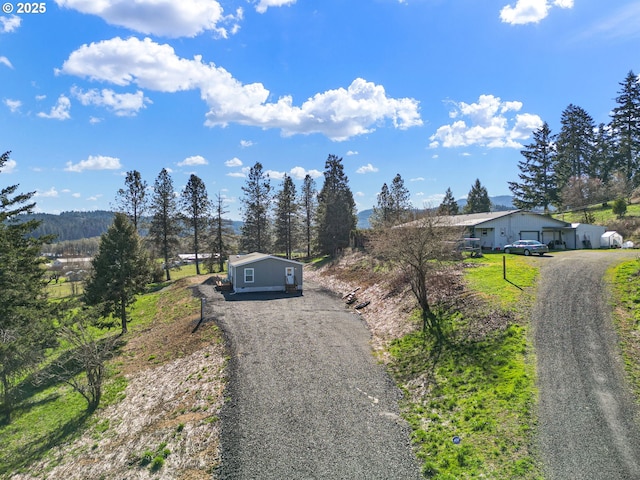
{"x":79,"y":225}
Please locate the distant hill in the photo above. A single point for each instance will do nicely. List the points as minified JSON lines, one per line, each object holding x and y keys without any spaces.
{"x":78,"y":225}
{"x":71,"y":225}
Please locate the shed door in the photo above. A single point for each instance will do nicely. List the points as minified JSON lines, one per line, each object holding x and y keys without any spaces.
{"x":290,"y":275}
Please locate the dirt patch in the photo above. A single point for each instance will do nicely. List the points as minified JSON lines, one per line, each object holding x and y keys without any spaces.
{"x":174,"y":393}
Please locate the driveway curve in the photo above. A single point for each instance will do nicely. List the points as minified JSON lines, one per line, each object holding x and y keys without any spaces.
{"x":306,"y":398}
{"x":588,"y":418}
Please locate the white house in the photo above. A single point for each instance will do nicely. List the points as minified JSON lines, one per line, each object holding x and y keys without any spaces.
{"x":497,"y":229}
{"x":259,"y":272}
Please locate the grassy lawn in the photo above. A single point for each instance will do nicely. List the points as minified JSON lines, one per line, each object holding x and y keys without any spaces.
{"x":626,"y":301}
{"x":480,"y":390}
{"x":52,"y":414}
{"x":602,"y":215}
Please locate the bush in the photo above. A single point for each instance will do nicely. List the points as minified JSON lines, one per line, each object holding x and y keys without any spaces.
{"x":620,"y":207}
{"x":157,"y":463}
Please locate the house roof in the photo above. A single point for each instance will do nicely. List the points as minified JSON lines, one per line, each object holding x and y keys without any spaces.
{"x":478,"y":219}
{"x":239,"y":260}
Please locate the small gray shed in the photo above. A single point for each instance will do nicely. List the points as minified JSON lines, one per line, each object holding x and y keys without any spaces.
{"x":259,"y":272}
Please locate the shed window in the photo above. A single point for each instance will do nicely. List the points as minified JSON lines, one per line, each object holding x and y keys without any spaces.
{"x":248,"y":275}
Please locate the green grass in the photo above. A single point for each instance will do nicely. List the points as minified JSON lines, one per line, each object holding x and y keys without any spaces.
{"x":489,"y":280}
{"x":602,"y":215}
{"x":625,"y":278}
{"x":53,"y":414}
{"x":482,"y":391}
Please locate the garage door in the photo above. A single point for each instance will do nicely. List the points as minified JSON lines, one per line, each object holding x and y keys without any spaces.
{"x":529,"y":235}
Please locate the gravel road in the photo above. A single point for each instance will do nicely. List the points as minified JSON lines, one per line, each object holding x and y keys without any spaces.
{"x":588,"y":420}
{"x":306,"y":397}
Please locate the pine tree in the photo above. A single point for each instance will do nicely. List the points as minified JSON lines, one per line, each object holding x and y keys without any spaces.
{"x":26,"y":329}
{"x":165,"y":226}
{"x":478,"y":199}
{"x":221,"y":230}
{"x":132,"y":199}
{"x":287,"y":217}
{"x":336,"y":208}
{"x":400,"y":200}
{"x":537,"y":186}
{"x":449,"y":206}
{"x":196,"y":207}
{"x":575,"y":145}
{"x":308,"y":201}
{"x":121,"y":270}
{"x":625,"y":122}
{"x":382,"y":212}
{"x":257,"y":201}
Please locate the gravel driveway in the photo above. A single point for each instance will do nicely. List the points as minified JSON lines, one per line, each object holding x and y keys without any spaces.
{"x":306,"y":397}
{"x":588,"y":425}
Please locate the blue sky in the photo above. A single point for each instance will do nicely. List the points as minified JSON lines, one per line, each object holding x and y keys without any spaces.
{"x":440,"y":91}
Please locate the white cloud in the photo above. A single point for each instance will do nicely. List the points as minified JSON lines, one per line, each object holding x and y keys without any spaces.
{"x":94,"y":120}
{"x":9,"y":24}
{"x":488,"y":125}
{"x":40,"y":97}
{"x":60,"y":111}
{"x":170,"y":18}
{"x":299,"y":173}
{"x":360,"y":194}
{"x":246,"y":143}
{"x":193,"y":161}
{"x":236,"y":174}
{"x":530,"y":11}
{"x":275,"y":174}
{"x":9,"y":166}
{"x":263,"y":5}
{"x":94,"y":198}
{"x":76,"y":195}
{"x":5,"y":61}
{"x":417,"y":179}
{"x":122,"y":104}
{"x":51,"y":193}
{"x":14,"y":105}
{"x":368,"y":168}
{"x":339,"y":114}
{"x":98,"y":162}
{"x":234,"y":162}
{"x":351,"y":153}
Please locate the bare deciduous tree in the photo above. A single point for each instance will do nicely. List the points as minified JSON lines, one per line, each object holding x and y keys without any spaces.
{"x":419,"y":249}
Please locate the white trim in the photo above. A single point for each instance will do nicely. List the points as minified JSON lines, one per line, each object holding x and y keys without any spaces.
{"x":253,"y":275}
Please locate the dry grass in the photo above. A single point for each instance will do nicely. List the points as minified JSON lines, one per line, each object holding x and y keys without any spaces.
{"x":174,"y":393}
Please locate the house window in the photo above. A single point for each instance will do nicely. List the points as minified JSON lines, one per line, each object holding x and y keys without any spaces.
{"x":248,"y":275}
{"x":485,"y":232}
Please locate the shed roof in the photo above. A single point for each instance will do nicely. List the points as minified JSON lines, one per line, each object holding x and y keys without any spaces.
{"x":256,"y":257}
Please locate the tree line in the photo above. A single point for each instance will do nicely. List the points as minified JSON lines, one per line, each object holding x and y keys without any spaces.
{"x":583,"y":163}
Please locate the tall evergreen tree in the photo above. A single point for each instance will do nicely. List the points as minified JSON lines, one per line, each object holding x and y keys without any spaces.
{"x":400,"y":200}
{"x":537,"y":186}
{"x":132,"y":199}
{"x":478,"y":199}
{"x":336,"y":208}
{"x":221,"y":231}
{"x":449,"y":206}
{"x":256,"y":210}
{"x":603,"y":164}
{"x":287,"y":220}
{"x":625,"y":122}
{"x":25,"y":318}
{"x":196,"y":208}
{"x":308,"y":201}
{"x":165,"y":224}
{"x":382,"y":211}
{"x":120,"y":271}
{"x":575,"y":145}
